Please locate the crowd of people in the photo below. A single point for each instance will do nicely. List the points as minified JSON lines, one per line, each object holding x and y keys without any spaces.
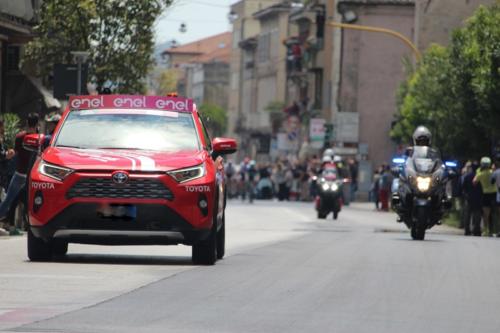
{"x":288,"y":179}
{"x":476,"y":192}
{"x":15,"y":165}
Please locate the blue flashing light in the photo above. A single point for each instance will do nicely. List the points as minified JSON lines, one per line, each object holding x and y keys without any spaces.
{"x":398,"y":160}
{"x":451,"y":164}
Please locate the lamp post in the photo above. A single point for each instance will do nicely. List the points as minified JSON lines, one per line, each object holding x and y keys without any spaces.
{"x":396,"y":34}
{"x":80,"y":58}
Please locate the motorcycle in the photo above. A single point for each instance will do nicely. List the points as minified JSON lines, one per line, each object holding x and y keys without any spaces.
{"x":421,"y":200}
{"x":329,"y":194}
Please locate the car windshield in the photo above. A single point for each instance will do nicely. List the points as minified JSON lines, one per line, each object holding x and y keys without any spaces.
{"x":128,"y":129}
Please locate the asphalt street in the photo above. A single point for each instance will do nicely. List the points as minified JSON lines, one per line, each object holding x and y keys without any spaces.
{"x":284,"y":271}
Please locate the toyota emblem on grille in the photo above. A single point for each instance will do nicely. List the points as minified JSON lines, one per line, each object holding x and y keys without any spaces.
{"x":120,"y":177}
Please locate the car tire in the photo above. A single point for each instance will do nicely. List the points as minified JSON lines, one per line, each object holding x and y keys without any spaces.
{"x":221,"y":240}
{"x":38,"y":249}
{"x":59,"y":247}
{"x":205,"y":252}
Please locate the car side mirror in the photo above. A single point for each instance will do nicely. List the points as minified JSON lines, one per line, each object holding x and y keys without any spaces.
{"x":33,"y":142}
{"x":224,"y":146}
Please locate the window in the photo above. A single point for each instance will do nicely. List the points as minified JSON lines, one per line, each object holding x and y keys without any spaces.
{"x":205,"y":134}
{"x":263,"y":47}
{"x":13,"y":57}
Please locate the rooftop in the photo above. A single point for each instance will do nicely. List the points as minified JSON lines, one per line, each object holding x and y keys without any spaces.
{"x":214,"y":48}
{"x":274,"y":9}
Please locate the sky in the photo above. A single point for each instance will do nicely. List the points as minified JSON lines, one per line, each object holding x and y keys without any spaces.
{"x":203,"y":18}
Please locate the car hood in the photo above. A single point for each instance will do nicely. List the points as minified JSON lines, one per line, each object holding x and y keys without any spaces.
{"x":119,"y":159}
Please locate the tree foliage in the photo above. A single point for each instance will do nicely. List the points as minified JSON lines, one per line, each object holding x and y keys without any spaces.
{"x":12,"y":124}
{"x":117,"y":33}
{"x":215,"y":118}
{"x":167,"y":81}
{"x":456,"y":90}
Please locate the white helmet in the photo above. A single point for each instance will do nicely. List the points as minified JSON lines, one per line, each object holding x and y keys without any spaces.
{"x":422,"y":136}
{"x":328,"y":152}
{"x":337,"y":159}
{"x":327,"y":159}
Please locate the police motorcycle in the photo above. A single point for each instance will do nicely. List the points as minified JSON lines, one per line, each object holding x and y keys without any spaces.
{"x":329,"y":192}
{"x":421,"y":200}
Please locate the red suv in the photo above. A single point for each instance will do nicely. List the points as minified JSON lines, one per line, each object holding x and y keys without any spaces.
{"x":122,"y":170}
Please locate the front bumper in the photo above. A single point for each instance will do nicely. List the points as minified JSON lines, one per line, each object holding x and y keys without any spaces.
{"x":153,"y":224}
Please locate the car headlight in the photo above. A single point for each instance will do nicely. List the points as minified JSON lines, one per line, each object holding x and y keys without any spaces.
{"x":334,"y":187}
{"x":325,"y":187}
{"x":423,"y":183}
{"x":187,"y":174}
{"x":54,"y":171}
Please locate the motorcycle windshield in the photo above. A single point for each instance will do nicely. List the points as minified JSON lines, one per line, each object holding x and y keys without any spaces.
{"x":424,"y":160}
{"x":329,"y":174}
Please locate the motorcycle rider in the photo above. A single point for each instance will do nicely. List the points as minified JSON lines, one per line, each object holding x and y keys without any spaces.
{"x":422,"y":137}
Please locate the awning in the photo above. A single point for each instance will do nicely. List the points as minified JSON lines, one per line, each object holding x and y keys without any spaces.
{"x":18,"y":8}
{"x":48,"y":98}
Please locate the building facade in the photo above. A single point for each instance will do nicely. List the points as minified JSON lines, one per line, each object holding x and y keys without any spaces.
{"x":17,"y":18}
{"x":247,"y":116}
{"x":435,"y":20}
{"x":202,"y":69}
{"x":372,"y":68}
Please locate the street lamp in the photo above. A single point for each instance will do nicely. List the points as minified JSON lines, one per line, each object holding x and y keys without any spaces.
{"x":396,"y":34}
{"x":80,"y":58}
{"x":232,"y":16}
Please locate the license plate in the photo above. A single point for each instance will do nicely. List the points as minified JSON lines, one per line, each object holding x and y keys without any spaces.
{"x":114,"y":210}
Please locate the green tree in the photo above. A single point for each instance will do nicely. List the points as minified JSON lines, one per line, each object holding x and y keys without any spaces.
{"x":425,"y":97}
{"x":12,"y":125}
{"x":167,"y":81}
{"x":455,"y":91}
{"x":118,"y":34}
{"x":475,"y":57}
{"x":215,"y":118}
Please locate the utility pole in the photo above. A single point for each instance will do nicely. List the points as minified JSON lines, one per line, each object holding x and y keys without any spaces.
{"x":80,"y":58}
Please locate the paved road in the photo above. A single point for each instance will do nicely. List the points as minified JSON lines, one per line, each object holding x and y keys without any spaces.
{"x":285,"y":271}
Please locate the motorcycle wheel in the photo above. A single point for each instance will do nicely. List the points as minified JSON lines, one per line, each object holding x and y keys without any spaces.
{"x":335,"y":215}
{"x":419,"y":227}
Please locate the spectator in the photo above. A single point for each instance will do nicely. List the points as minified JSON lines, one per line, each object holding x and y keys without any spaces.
{"x":465,"y":210}
{"x":483,"y":176}
{"x":353,"y":171}
{"x":18,"y":181}
{"x":472,"y":194}
{"x":6,"y":156}
{"x":374,"y":191}
{"x":495,"y":179}
{"x":385,"y":183}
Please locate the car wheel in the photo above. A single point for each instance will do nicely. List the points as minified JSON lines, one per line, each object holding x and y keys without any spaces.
{"x":221,"y":240}
{"x":38,"y":249}
{"x":59,"y":247}
{"x":205,"y":252}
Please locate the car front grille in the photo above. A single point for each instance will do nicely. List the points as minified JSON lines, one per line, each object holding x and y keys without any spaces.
{"x":135,"y":188}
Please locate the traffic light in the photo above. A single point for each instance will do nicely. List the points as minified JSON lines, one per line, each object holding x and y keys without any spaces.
{"x":328,"y":135}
